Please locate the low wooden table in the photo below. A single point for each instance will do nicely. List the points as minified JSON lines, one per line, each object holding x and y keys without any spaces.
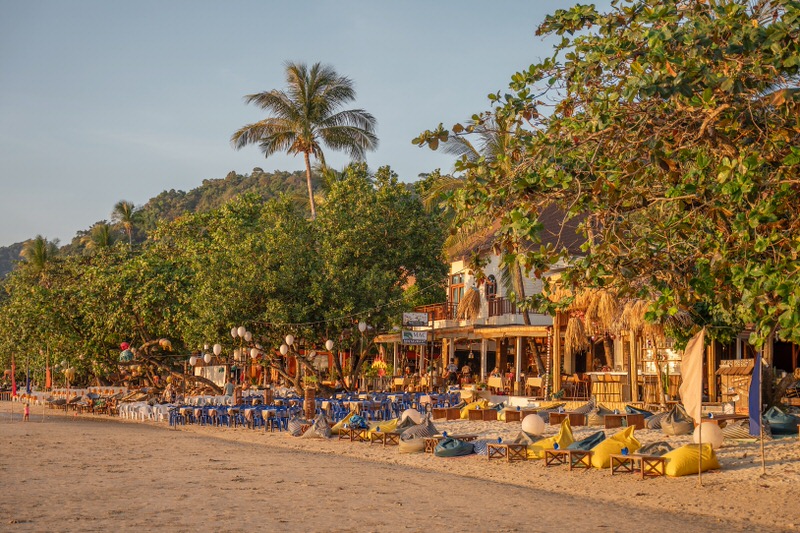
{"x":512,"y":415}
{"x":575,"y":419}
{"x":432,"y":442}
{"x":648,"y":465}
{"x":448,"y":413}
{"x":722,"y":419}
{"x":354,"y":434}
{"x":510,"y":452}
{"x":483,"y":414}
{"x":615,"y":420}
{"x":555,"y":457}
{"x":388,"y":438}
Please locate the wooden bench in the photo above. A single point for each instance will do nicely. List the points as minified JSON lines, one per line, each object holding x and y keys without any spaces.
{"x":510,"y":452}
{"x":575,"y":419}
{"x":483,"y":414}
{"x":616,"y":420}
{"x":388,"y":438}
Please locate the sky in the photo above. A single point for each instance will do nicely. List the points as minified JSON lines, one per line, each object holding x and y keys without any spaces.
{"x":104,"y":101}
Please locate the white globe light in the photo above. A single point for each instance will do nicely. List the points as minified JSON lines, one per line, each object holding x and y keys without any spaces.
{"x":193,"y":360}
{"x":362,"y":326}
{"x":290,"y":339}
{"x":207,"y":358}
{"x":329,"y":345}
{"x":248,"y":336}
{"x":217,"y":349}
{"x":234,"y":332}
{"x":413,"y":414}
{"x":533,"y":425}
{"x":313,"y":353}
{"x":712,"y":435}
{"x":284,"y":349}
{"x":241,"y":331}
{"x":253,"y":353}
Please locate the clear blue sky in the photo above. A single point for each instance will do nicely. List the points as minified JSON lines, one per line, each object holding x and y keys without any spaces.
{"x":102,"y":101}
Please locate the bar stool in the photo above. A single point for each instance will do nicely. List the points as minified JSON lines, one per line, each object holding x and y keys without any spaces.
{"x":580,"y":387}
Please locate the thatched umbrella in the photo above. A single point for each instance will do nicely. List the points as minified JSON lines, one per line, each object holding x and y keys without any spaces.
{"x":575,"y":338}
{"x":470,"y":305}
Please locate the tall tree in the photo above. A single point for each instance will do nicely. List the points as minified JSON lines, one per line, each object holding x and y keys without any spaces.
{"x":124,"y":213}
{"x":308,"y":115}
{"x":38,"y":251}
{"x":100,"y":236}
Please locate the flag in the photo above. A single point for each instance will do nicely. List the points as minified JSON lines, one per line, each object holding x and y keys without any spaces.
{"x":27,"y":379}
{"x":13,"y":376}
{"x":754,"y":400}
{"x":48,"y":378}
{"x":691,"y":390}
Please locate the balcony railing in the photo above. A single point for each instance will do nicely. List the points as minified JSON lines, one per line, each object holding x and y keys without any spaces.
{"x":440,"y":311}
{"x":501,"y":306}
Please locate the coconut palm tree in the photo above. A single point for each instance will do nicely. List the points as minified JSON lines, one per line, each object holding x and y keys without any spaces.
{"x":100,"y":236}
{"x":308,"y":115}
{"x":38,"y":251}
{"x":124,"y":213}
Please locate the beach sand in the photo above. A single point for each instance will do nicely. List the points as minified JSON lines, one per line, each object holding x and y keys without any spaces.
{"x":93,"y":473}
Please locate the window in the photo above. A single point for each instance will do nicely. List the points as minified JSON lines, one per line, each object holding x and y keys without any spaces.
{"x":491,"y":287}
{"x":456,"y":288}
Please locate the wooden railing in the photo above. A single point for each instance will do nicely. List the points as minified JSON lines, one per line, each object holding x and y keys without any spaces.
{"x":440,"y":311}
{"x":502,"y":306}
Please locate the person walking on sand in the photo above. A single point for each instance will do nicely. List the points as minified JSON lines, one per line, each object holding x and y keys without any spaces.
{"x":26,"y":413}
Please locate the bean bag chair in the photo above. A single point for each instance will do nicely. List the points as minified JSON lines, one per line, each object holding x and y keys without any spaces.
{"x":654,"y":422}
{"x":740,"y":430}
{"x":677,"y":422}
{"x":589,"y":442}
{"x":585,"y":409}
{"x":781,"y":423}
{"x":320,"y":429}
{"x":563,"y":438}
{"x":601,"y":458}
{"x":411,"y":445}
{"x":481,"y":447}
{"x":295,"y":426}
{"x":483,"y":404}
{"x":685,"y":460}
{"x":404,"y":424}
{"x":420,"y":431}
{"x":656,"y":448}
{"x":449,"y":447}
{"x":524,"y":438}
{"x":358,"y":421}
{"x":631,"y":410}
{"x":385,"y":426}
{"x":338,"y":426}
{"x":595,"y":417}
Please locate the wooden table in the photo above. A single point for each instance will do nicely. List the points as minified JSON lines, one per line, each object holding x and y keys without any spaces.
{"x":555,"y":457}
{"x":615,"y":420}
{"x":513,"y":415}
{"x":448,"y":413}
{"x":510,"y":452}
{"x":354,"y":434}
{"x":648,"y":465}
{"x":432,"y":442}
{"x":575,"y":419}
{"x":722,"y":419}
{"x":573,"y":458}
{"x":388,"y":438}
{"x":483,"y":414}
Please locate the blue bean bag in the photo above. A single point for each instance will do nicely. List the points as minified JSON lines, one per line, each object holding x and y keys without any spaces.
{"x":589,"y":442}
{"x":636,"y":411}
{"x":449,"y":447}
{"x":781,"y":423}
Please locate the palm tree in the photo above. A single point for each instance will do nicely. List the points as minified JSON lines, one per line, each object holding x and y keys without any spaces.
{"x":38,"y":251}
{"x":124,"y":213}
{"x":308,"y":115}
{"x":100,"y":236}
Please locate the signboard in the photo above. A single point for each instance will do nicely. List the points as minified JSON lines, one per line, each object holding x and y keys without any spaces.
{"x":415,"y":319}
{"x":414,"y":337}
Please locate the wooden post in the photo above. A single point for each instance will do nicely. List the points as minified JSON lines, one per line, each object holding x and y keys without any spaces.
{"x":711,"y":371}
{"x":517,"y":365}
{"x":556,"y":368}
{"x":484,"y":350}
{"x":633,"y":374}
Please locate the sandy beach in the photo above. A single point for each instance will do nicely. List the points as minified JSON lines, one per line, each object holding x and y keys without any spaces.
{"x":92,"y":473}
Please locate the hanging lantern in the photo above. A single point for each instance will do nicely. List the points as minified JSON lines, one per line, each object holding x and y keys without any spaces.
{"x":207,"y":358}
{"x":217,"y":349}
{"x":362,"y":326}
{"x":234,"y":332}
{"x":241,"y":331}
{"x":193,"y":360}
{"x":284,"y":349}
{"x":248,"y":336}
{"x":329,"y":345}
{"x":290,"y":339}
{"x":253,"y":353}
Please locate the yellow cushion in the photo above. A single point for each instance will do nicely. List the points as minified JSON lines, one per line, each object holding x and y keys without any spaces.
{"x":385,"y":425}
{"x":601,"y":458}
{"x":338,"y":426}
{"x":684,"y":461}
{"x":563,"y":438}
{"x":483,"y":404}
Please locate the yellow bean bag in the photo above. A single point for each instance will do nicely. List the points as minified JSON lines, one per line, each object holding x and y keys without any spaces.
{"x":563,"y":438}
{"x":601,"y":458}
{"x":385,"y":425}
{"x":483,"y":404}
{"x":684,"y":461}
{"x":339,"y":426}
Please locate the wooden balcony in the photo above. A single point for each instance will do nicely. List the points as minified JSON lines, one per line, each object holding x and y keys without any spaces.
{"x":502,"y":306}
{"x":440,"y":311}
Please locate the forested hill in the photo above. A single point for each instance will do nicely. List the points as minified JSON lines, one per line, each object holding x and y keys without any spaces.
{"x":169,"y":205}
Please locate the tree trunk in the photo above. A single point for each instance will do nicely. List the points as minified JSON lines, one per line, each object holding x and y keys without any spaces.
{"x":608,"y":350}
{"x":540,"y":368}
{"x":310,"y":404}
{"x":310,"y":189}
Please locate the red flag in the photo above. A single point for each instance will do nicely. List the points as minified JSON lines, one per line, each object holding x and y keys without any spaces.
{"x":13,"y":376}
{"x":48,"y":379}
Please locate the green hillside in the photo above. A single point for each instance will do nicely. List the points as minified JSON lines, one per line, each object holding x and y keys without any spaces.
{"x":171,"y":204}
